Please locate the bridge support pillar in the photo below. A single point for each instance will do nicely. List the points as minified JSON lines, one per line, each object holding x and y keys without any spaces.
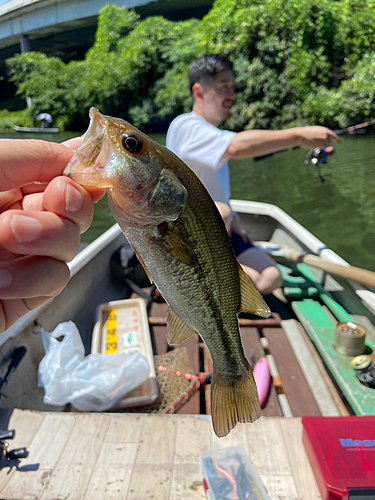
{"x":25,"y":43}
{"x":25,"y":47}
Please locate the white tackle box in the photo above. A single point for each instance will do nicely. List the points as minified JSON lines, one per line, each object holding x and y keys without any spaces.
{"x":122,"y":325}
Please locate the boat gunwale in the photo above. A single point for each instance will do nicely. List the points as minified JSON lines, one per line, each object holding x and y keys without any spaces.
{"x":306,"y":238}
{"x":297,"y":231}
{"x":36,"y":130}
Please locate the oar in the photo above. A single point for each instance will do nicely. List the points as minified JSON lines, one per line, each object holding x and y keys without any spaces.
{"x":357,"y":274}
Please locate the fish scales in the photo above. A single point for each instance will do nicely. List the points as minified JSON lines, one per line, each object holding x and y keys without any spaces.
{"x":207,"y":303}
{"x":179,"y":237}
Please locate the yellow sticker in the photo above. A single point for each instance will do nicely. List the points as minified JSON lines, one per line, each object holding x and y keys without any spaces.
{"x":111,"y":336}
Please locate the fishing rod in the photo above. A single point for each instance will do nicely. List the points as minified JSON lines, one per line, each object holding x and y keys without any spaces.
{"x":6,"y":434}
{"x":317,"y":156}
{"x":354,"y":128}
{"x":17,"y":357}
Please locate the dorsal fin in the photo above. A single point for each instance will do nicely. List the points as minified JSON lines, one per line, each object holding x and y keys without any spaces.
{"x":177,"y":330}
{"x":251,"y":299}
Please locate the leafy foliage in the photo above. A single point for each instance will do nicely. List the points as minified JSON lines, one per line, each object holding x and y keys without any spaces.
{"x":296,"y":62}
{"x":9,"y":118}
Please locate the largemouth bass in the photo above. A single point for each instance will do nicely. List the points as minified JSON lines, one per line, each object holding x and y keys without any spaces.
{"x":180,"y":239}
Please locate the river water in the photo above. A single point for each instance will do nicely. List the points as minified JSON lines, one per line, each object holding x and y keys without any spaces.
{"x":339,"y":211}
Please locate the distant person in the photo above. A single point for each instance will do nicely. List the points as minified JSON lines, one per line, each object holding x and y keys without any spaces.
{"x":41,"y":218}
{"x":197,"y":140}
{"x":45,"y":120}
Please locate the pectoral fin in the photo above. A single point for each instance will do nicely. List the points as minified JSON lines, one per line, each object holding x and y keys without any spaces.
{"x":168,"y":197}
{"x":173,"y":243}
{"x":177,"y":330}
{"x":251,"y":299}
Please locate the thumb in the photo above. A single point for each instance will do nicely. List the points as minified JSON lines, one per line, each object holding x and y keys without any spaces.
{"x":24,"y":161}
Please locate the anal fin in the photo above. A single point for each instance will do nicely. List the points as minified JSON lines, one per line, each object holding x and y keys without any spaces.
{"x":251,"y":299}
{"x":177,"y":330}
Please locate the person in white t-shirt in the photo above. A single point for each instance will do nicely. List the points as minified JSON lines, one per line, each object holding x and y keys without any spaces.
{"x":197,"y":140}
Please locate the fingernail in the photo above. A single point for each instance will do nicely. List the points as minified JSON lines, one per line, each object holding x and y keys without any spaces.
{"x":73,"y":199}
{"x":5,"y":278}
{"x":74,"y":143}
{"x":25,"y":229}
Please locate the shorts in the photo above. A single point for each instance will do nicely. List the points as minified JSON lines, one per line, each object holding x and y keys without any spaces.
{"x":238,"y":244}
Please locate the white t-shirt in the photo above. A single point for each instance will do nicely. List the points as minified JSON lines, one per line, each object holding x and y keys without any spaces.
{"x":201,"y":146}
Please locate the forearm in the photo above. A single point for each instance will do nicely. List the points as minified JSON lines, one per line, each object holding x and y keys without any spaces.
{"x":251,"y":143}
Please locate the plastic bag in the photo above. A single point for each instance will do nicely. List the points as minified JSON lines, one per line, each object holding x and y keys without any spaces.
{"x":91,"y":383}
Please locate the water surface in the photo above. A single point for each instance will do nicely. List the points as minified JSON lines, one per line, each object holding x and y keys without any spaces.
{"x":340,"y":211}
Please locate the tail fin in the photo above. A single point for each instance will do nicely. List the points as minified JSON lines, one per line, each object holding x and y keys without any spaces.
{"x":233,"y":401}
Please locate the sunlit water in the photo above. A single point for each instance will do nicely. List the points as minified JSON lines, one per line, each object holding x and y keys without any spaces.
{"x":340,"y":211}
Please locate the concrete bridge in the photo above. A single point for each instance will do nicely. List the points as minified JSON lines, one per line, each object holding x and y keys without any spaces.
{"x":66,"y":28}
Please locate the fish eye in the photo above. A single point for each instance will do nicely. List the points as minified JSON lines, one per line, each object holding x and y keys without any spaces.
{"x":132,"y":143}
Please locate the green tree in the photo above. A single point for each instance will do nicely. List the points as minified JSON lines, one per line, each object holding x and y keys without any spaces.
{"x":296,"y":62}
{"x":42,"y":79}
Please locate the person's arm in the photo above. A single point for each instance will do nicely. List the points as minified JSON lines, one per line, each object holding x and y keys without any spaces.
{"x":41,"y":217}
{"x":251,"y":143}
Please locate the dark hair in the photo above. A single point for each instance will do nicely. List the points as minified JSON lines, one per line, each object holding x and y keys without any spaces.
{"x":204,"y":69}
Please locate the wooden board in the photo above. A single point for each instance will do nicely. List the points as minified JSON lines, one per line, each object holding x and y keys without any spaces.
{"x":253,"y":350}
{"x":325,"y":392}
{"x":158,"y":332}
{"x":290,"y":387}
{"x":290,"y":393}
{"x":296,"y":388}
{"x":139,"y":457}
{"x":252,"y":347}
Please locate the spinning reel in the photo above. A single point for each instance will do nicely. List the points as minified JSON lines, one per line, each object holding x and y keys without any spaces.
{"x":16,"y":453}
{"x":318,"y":156}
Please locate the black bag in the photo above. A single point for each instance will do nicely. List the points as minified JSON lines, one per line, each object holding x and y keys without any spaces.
{"x":127,"y":269}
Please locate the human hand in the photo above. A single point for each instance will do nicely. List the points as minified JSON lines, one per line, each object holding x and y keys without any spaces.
{"x":316,"y":136}
{"x":41,"y":217}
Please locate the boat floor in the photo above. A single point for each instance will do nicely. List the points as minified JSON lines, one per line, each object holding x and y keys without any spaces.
{"x":300,"y":383}
{"x":138,"y":457}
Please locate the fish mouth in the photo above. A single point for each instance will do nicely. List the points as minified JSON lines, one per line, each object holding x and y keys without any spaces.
{"x":87,"y":164}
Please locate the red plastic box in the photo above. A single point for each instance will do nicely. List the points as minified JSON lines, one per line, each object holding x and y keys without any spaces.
{"x":341,"y":451}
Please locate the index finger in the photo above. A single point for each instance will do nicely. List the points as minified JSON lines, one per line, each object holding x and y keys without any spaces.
{"x":334,"y":136}
{"x":25,"y":161}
